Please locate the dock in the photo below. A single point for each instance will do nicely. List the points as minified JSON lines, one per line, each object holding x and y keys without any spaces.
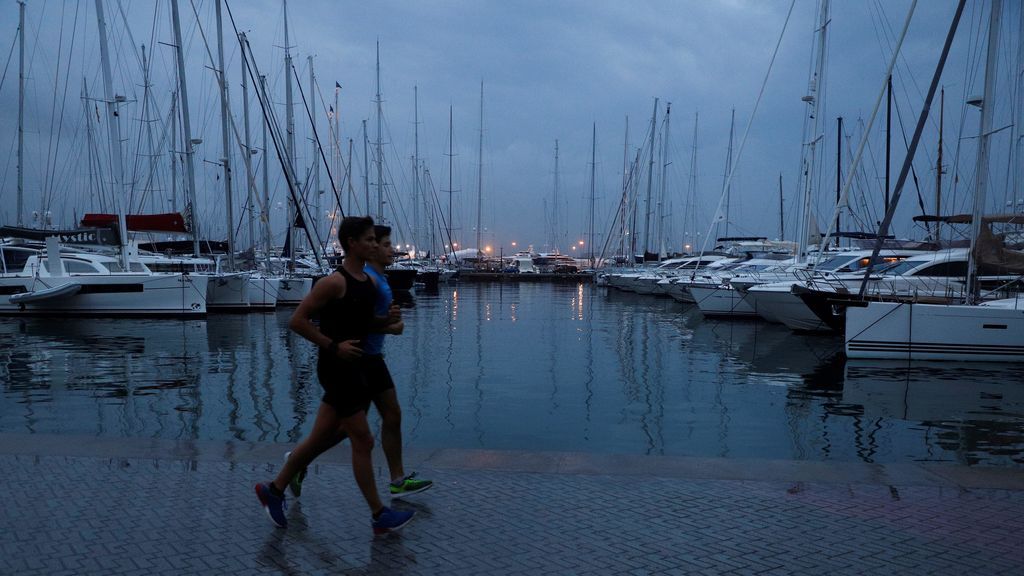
{"x":567,"y":277}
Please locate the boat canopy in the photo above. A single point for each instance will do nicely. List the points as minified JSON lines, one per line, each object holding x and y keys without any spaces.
{"x":101,"y":236}
{"x":170,"y":222}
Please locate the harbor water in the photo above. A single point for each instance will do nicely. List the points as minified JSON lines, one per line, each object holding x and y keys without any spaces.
{"x":531,"y":366}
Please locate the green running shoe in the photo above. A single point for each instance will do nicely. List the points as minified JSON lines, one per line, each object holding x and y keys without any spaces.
{"x":409,"y":485}
{"x":295,"y":484}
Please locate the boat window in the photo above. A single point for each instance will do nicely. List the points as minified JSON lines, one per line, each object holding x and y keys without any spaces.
{"x":137,"y":267}
{"x":113,"y":266}
{"x":945,"y":269}
{"x":900,"y":268}
{"x":78,"y":267}
{"x":14,"y":258}
{"x":834,"y":263}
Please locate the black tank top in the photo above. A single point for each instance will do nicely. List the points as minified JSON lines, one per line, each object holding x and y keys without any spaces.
{"x":349,"y":317}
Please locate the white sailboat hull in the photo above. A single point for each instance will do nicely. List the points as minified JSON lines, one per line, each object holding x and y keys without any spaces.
{"x":263,"y":292}
{"x":105,"y":295}
{"x":227,"y":292}
{"x":293,"y":290}
{"x":992,"y":332}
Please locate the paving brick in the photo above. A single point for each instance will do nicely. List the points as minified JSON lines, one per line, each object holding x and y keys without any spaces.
{"x":161,"y":515}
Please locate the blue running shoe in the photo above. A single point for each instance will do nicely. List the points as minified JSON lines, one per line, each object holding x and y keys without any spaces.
{"x":389,"y":520}
{"x":273,"y":504}
{"x":295,"y":484}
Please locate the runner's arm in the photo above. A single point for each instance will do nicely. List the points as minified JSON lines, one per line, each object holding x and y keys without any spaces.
{"x":326,"y":289}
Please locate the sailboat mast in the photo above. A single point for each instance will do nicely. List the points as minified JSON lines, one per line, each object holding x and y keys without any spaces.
{"x":624,"y":201}
{"x":314,"y":156}
{"x":839,"y":170}
{"x":265,"y":215}
{"x":450,"y":164}
{"x":190,"y":173}
{"x":690,"y":223}
{"x":290,"y":126}
{"x":336,"y":143}
{"x":113,"y":131}
{"x":1018,"y":126}
{"x":416,"y":170}
{"x":888,"y":139}
{"x":815,"y":98}
{"x":938,"y":163}
{"x":728,"y":170}
{"x":172,"y":119}
{"x":250,"y":199}
{"x":782,"y":221}
{"x":366,"y":168}
{"x":21,"y":114}
{"x":480,"y":170}
{"x":555,"y":204}
{"x":379,"y":146}
{"x":650,"y":181}
{"x":664,"y":173}
{"x":350,"y":169}
{"x":593,"y":188}
{"x":984,"y":131}
{"x":146,"y":95}
{"x":225,"y":139}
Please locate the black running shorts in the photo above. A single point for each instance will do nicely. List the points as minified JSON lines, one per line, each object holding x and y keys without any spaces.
{"x":377,"y":375}
{"x":346,"y":385}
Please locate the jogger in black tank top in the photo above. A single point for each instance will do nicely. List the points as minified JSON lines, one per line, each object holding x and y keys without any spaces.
{"x":344,"y":300}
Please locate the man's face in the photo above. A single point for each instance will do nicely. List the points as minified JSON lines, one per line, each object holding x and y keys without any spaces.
{"x":385,"y":255}
{"x":365,"y":246}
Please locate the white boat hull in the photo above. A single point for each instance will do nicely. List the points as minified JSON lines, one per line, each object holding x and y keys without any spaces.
{"x":293,"y":290}
{"x":263,"y":292}
{"x":721,"y":301}
{"x":107,"y":295}
{"x":785,"y":308}
{"x":993,"y":332}
{"x":228,"y":293}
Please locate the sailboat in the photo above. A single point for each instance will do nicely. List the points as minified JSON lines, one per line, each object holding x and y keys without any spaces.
{"x":975,"y":330}
{"x":76,"y":272}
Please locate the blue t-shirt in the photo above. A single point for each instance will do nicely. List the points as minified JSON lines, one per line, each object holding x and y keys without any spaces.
{"x":375,"y":340}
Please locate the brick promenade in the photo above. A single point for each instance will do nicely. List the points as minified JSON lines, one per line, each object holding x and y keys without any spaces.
{"x":153,"y":507}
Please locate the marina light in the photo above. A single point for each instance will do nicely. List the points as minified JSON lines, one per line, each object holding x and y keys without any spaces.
{"x":487,"y":249}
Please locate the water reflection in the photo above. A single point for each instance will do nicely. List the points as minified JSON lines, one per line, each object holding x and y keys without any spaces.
{"x":520,"y":366}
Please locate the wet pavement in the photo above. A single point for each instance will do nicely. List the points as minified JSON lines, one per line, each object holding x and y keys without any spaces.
{"x":86,"y":505}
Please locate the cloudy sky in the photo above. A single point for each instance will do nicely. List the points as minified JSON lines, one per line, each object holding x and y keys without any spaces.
{"x":551,"y":71}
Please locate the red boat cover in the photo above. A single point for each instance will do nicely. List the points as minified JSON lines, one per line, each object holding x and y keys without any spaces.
{"x":171,"y":222}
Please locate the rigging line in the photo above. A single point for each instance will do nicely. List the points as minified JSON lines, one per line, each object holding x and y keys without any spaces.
{"x":264,"y":100}
{"x":319,"y":147}
{"x":331,"y":133}
{"x":60,"y":121}
{"x":860,"y":148}
{"x":251,"y":178}
{"x":53,"y":107}
{"x":10,"y":55}
{"x":898,"y":190}
{"x":746,"y":132}
{"x":913,"y":171}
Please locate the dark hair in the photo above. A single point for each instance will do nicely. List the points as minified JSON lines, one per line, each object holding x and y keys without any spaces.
{"x":353,"y":227}
{"x":380,"y":231}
